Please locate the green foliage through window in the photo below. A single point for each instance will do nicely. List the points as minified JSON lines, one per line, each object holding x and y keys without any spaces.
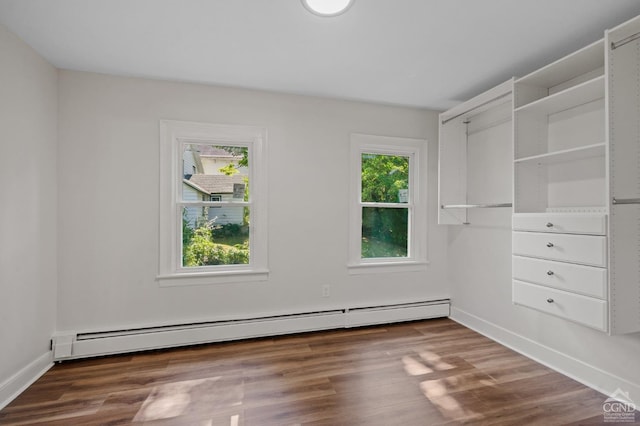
{"x":384,"y":179}
{"x":211,"y":245}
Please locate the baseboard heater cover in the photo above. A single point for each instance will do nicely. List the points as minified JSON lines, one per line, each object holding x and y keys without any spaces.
{"x":83,"y":345}
{"x":395,"y":313}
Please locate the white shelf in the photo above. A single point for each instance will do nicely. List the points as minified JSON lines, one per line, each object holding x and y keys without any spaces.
{"x":573,"y":120}
{"x":564,"y":69}
{"x":490,"y":99}
{"x":574,"y":96}
{"x":574,"y":154}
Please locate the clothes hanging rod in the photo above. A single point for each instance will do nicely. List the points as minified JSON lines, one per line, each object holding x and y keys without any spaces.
{"x":632,"y":37}
{"x":504,"y":95}
{"x":625,"y":201}
{"x":490,"y":126}
{"x":475,"y":206}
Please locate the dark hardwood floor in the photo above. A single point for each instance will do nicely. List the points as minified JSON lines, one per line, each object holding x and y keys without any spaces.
{"x":420,"y":373}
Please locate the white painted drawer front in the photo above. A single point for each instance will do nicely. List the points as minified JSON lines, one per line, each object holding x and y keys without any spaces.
{"x":575,"y":307}
{"x":568,"y":223}
{"x":587,"y":280}
{"x":583,"y":249}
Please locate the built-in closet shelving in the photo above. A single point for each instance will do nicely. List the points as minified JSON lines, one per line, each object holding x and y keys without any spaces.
{"x":576,"y":254}
{"x":576,"y":181}
{"x":472,"y":136}
{"x":559,"y":135}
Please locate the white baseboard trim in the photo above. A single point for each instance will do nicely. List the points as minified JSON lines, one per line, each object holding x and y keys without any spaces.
{"x":16,"y":384}
{"x":593,"y":377}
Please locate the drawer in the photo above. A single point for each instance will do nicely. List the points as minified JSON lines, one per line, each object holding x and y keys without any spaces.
{"x":575,"y":307}
{"x":587,"y":280}
{"x":568,"y":223}
{"x":584,"y":249}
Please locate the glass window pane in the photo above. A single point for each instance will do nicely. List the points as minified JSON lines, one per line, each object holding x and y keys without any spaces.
{"x":384,"y":232}
{"x":385,"y":178}
{"x":215,"y":236}
{"x":215,"y":173}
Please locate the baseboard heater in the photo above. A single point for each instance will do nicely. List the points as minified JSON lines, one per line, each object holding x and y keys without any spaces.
{"x":82,"y":345}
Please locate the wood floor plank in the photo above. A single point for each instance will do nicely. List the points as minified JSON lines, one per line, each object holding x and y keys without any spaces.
{"x":433,"y":372}
{"x":285,"y":390}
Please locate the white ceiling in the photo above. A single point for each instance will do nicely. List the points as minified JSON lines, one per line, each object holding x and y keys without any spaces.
{"x":424,"y":53}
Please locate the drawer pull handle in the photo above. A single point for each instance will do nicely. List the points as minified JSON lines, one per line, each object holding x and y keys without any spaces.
{"x":549,"y":225}
{"x":549,"y":272}
{"x":549,"y":245}
{"x":549,"y":300}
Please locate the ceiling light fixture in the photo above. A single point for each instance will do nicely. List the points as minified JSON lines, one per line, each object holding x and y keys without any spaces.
{"x":327,"y":7}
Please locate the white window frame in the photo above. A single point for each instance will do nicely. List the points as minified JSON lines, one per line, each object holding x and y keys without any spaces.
{"x":173,"y":136}
{"x":416,"y":150}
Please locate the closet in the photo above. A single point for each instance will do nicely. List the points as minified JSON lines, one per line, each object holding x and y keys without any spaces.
{"x":474,"y":136}
{"x":560,"y":198}
{"x":576,"y":184}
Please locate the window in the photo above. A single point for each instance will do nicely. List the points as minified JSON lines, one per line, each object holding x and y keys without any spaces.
{"x":212,"y":219}
{"x":388,"y":204}
{"x":215,"y":198}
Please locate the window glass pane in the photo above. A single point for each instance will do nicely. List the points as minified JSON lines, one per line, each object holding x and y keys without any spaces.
{"x":385,"y":178}
{"x":215,"y":173}
{"x":384,"y":232}
{"x":215,"y":236}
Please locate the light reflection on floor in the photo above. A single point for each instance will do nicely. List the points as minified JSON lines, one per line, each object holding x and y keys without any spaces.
{"x":414,"y":367}
{"x":191,"y":396}
{"x":437,"y":391}
{"x":234,"y":420}
{"x":197,"y":397}
{"x":435,"y":360}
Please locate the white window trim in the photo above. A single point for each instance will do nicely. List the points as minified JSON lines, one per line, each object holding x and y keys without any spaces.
{"x":173,"y":134}
{"x":416,"y":150}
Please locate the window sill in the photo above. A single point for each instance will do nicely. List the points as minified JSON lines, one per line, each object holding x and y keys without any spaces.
{"x":179,"y":279}
{"x":382,"y":267}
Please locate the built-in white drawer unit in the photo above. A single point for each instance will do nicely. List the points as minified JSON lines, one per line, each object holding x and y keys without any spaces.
{"x":567,"y":223}
{"x":576,"y":239}
{"x":586,"y":280}
{"x":585,"y":310}
{"x":582,"y":249}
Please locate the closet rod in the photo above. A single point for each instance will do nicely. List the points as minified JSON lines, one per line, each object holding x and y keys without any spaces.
{"x":632,"y":37}
{"x":504,"y":95}
{"x":474,"y":206}
{"x":489,"y":126}
{"x":625,"y":201}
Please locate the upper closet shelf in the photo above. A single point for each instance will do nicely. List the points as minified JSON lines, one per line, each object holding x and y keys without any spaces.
{"x":492,"y":98}
{"x":580,"y":153}
{"x":564,"y":69}
{"x":573,"y":96}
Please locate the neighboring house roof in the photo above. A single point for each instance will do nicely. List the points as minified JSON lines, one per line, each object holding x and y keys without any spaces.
{"x":194,"y":186}
{"x":214,"y":184}
{"x":212,"y":151}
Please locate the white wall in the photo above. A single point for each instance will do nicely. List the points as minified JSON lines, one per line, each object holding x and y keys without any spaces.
{"x":28,"y":215}
{"x":480,"y":283}
{"x":108,"y":244}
